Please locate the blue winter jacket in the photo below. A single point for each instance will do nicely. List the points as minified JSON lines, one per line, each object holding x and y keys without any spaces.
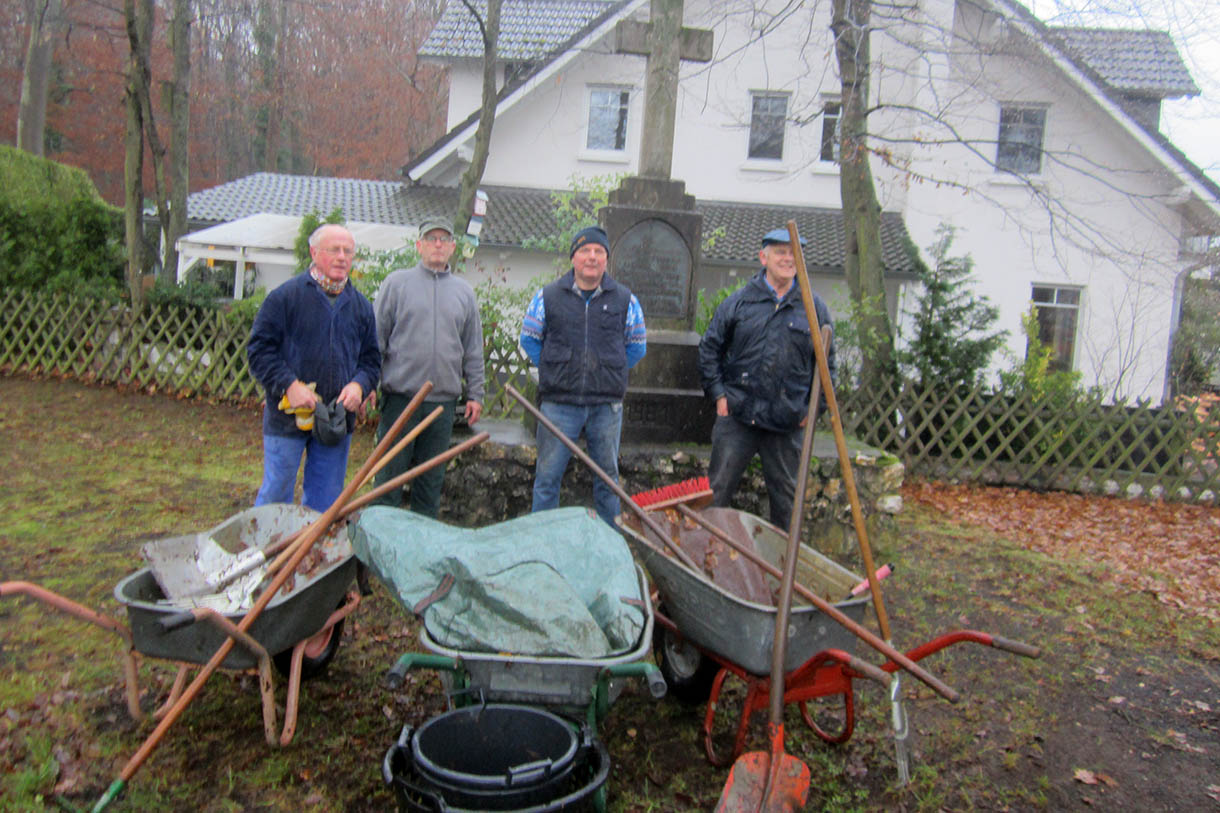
{"x":758,"y":353}
{"x":300,"y":334}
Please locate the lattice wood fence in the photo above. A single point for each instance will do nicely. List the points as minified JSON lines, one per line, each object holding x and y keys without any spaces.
{"x":166,"y":349}
{"x":977,"y":436}
{"x":185,"y":351}
{"x":1040,"y":442}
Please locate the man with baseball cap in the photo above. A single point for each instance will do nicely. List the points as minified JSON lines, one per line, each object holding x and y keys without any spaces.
{"x":428,"y":329}
{"x":756,"y":361}
{"x":583,"y":332}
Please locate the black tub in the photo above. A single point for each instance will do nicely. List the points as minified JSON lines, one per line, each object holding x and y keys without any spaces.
{"x":495,"y":757}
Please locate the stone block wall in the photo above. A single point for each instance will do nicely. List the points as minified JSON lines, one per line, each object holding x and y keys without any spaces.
{"x":493,"y":482}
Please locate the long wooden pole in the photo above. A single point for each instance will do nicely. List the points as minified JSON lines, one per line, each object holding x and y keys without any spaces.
{"x":836,"y":423}
{"x":897,"y":714}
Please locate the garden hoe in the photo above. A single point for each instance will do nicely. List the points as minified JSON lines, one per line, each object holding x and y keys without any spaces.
{"x":898,"y":715}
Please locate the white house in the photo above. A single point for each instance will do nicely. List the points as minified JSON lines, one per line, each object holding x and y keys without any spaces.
{"x":1039,"y":145}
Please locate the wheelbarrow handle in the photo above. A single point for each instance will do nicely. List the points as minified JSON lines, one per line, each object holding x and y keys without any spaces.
{"x":1015,"y":647}
{"x":178,"y":620}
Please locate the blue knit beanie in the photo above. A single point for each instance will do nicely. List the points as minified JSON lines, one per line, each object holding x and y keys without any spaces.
{"x":589,"y":234}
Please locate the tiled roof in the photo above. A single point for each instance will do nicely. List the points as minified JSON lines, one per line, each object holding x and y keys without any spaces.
{"x":1143,"y":63}
{"x":515,"y":214}
{"x":529,"y":29}
{"x":368,"y":201}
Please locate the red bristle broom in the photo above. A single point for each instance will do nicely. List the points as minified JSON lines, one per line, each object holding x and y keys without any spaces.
{"x":696,"y":492}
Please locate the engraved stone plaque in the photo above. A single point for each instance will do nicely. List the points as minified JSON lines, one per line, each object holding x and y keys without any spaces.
{"x":654,"y":261}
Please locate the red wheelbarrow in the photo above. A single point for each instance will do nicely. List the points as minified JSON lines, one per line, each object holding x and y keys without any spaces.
{"x":721,"y":622}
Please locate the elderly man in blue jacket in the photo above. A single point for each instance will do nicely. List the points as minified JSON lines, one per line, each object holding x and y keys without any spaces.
{"x":756,"y":361}
{"x":314,"y":342}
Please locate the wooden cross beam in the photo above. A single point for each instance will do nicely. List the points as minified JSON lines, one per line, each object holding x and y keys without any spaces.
{"x":665,"y":42}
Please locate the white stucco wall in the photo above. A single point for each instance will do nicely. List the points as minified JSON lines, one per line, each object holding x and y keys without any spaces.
{"x":1098,"y":216}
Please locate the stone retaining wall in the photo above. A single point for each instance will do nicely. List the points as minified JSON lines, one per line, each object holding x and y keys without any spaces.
{"x":493,"y":482}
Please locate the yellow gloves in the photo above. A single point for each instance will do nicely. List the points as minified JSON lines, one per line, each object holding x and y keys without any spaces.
{"x":304,"y":415}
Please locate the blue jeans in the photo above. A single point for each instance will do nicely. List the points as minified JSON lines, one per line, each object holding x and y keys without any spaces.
{"x":602,"y":425}
{"x":734,"y":444}
{"x":325,"y":468}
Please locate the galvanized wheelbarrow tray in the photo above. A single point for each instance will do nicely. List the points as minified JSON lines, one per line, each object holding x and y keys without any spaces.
{"x":557,"y":681}
{"x":299,"y":632}
{"x":739,"y":629}
{"x":298,"y":612}
{"x":706,"y":633}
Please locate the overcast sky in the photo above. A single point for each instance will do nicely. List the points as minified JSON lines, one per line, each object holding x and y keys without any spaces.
{"x":1192,"y":124}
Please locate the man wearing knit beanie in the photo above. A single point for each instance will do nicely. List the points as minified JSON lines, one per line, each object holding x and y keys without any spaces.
{"x":583,"y":332}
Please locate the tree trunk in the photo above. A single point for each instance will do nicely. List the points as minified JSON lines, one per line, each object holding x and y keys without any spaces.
{"x":180,"y":119}
{"x":861,"y":211}
{"x":487,"y":116}
{"x":133,"y":173}
{"x":36,"y":75}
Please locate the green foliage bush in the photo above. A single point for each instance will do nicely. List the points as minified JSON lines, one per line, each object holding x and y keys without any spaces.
{"x":56,"y":233}
{"x":953,"y":342}
{"x":74,"y":247}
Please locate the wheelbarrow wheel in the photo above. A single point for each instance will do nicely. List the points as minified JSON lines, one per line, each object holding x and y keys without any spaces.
{"x":687,"y":673}
{"x":319,"y":652}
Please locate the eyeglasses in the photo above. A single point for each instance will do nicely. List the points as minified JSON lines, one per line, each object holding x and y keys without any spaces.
{"x":437,"y":240}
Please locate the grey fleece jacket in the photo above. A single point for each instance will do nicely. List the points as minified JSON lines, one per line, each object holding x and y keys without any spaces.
{"x":428,"y":329}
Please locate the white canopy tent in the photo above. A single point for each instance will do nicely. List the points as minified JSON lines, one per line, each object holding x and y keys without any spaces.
{"x":265,"y":242}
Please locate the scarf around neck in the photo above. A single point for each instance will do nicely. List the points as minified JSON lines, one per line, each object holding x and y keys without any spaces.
{"x":326,"y":283}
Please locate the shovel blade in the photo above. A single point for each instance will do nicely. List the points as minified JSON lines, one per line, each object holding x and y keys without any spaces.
{"x":773,"y":782}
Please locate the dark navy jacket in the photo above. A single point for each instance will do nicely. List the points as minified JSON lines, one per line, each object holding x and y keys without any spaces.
{"x":759,"y":354}
{"x":584,"y":352}
{"x":299,"y":334}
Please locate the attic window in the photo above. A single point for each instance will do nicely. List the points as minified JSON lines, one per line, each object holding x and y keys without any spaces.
{"x":1019,"y":144}
{"x":607,"y":119}
{"x":767,"y":118}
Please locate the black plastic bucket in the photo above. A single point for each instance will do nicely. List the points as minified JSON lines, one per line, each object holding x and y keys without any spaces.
{"x":494,"y":747}
{"x":418,"y":789}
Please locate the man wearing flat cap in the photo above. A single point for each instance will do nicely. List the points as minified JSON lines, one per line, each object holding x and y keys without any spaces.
{"x":428,"y":329}
{"x":756,"y":362}
{"x":583,"y":332}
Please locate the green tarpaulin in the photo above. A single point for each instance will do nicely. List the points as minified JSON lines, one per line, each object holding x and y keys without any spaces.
{"x":556,"y":582}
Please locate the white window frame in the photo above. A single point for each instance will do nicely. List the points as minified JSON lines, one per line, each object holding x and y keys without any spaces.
{"x":755,"y":96}
{"x":1057,"y":300}
{"x":615,"y":154}
{"x":1016,"y":128}
{"x":829,"y":115}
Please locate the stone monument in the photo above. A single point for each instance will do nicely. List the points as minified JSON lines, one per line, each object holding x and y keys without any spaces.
{"x":655,"y":234}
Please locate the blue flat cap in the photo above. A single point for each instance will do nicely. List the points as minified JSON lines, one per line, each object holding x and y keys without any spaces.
{"x":780,"y":236}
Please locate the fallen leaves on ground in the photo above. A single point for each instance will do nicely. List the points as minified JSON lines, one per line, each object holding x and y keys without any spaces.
{"x":1171,"y":550}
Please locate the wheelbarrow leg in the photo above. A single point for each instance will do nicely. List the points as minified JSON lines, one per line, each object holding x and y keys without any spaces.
{"x":292,"y":701}
{"x":266,"y":682}
{"x":175,"y":691}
